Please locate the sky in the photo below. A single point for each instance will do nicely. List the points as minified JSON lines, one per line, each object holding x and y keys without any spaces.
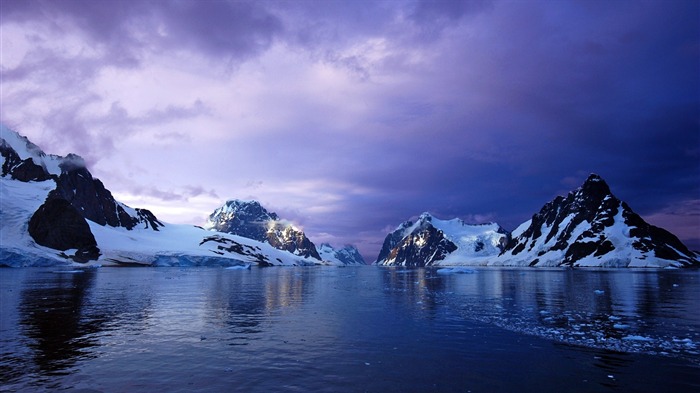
{"x":350,"y":117}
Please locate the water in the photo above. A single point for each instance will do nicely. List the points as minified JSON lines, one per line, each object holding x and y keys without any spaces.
{"x":349,"y":330}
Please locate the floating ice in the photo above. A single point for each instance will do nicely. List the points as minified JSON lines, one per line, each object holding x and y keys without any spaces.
{"x":239,"y":267}
{"x":599,"y":292}
{"x":587,"y":329}
{"x":633,"y":337}
{"x":68,"y":271}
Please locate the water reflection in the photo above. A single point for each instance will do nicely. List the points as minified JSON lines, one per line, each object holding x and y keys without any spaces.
{"x":318,"y":329}
{"x":52,"y":318}
{"x":239,"y":300}
{"x":61,"y":319}
{"x":417,"y":289}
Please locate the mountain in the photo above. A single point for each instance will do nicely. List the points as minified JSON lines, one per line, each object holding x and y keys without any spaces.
{"x":591,"y":227}
{"x":244,"y":218}
{"x":348,"y":255}
{"x":249,"y":219}
{"x":52,"y":211}
{"x":431,"y":241}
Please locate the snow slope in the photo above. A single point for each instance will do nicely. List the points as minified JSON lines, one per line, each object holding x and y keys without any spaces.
{"x":18,"y":201}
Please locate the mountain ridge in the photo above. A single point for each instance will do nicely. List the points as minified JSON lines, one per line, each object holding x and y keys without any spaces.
{"x":54,"y":211}
{"x":589,"y":227}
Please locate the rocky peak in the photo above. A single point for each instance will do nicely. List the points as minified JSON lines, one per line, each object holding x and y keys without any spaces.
{"x":425,"y":217}
{"x":251,"y":220}
{"x":429,"y":241}
{"x":25,"y":161}
{"x":348,"y":255}
{"x":289,"y":238}
{"x":244,"y":218}
{"x":591,"y":227}
{"x":72,"y":162}
{"x":20,"y":169}
{"x":591,"y":193}
{"x":392,"y":240}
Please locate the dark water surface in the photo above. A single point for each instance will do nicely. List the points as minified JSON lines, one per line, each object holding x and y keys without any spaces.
{"x":349,"y":330}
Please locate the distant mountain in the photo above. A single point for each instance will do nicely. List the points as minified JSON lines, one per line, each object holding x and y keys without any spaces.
{"x":243,"y":218}
{"x":249,"y":219}
{"x":588,"y":227}
{"x":348,"y":255}
{"x":430,"y":241}
{"x":52,"y":211}
{"x":591,"y":227}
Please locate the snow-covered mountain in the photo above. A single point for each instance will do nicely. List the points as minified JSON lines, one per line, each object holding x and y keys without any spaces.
{"x":591,"y":227}
{"x":244,"y":218}
{"x":431,"y":241}
{"x":588,"y":227}
{"x":348,"y":255}
{"x":249,"y":219}
{"x":52,"y":211}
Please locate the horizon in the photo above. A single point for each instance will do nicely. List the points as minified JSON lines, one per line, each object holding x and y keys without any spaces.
{"x":348,"y":119}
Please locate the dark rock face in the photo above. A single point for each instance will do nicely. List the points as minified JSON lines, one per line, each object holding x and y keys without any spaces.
{"x":76,"y":185}
{"x":292,"y":240}
{"x":596,"y":210}
{"x":593,"y":203}
{"x":423,"y":246}
{"x":90,"y":197}
{"x":664,"y":244}
{"x":249,"y":219}
{"x":392,"y":240}
{"x":148,"y":219}
{"x":22,"y":170}
{"x":243,"y":218}
{"x":58,"y":225}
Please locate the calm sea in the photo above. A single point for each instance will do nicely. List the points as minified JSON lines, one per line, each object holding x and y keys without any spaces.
{"x":355,"y":329}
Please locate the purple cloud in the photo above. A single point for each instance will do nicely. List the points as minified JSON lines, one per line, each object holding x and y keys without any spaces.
{"x":351,"y":117}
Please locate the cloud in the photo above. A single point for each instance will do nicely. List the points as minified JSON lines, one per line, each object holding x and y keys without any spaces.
{"x":232,"y":30}
{"x":684,"y":217}
{"x":432,"y":17}
{"x":353,"y":116}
